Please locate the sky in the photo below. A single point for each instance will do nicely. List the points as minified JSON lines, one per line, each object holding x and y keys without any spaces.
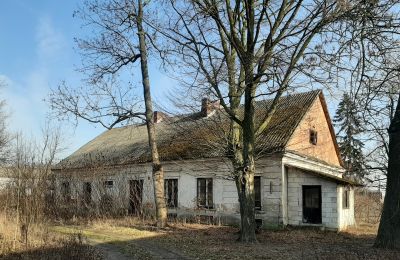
{"x":37,"y":52}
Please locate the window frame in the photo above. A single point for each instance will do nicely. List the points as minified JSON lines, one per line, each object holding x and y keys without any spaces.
{"x":257,"y":206}
{"x":208,"y":196}
{"x":108,"y":184}
{"x":346,"y":198}
{"x":66,"y":190}
{"x":313,"y":137}
{"x":174,"y":193}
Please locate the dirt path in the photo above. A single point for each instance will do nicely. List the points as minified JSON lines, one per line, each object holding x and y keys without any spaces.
{"x":111,"y":252}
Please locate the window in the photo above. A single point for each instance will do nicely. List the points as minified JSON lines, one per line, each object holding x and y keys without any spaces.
{"x":257,"y":192}
{"x":66,"y":190}
{"x":313,"y":137}
{"x":205,"y":193}
{"x":171,"y":192}
{"x":108,"y":184}
{"x":346,"y":198}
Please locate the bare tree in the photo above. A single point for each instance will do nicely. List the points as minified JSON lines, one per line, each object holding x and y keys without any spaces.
{"x":119,"y":41}
{"x":4,"y":135}
{"x":30,"y":173}
{"x":243,"y":50}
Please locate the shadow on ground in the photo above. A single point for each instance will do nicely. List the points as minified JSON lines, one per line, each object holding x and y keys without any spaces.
{"x":210,"y":242}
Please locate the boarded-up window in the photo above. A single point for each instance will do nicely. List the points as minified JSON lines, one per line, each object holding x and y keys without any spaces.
{"x":346,"y":198}
{"x":205,"y":193}
{"x":171,"y":192}
{"x":313,"y":137}
{"x":257,"y":192}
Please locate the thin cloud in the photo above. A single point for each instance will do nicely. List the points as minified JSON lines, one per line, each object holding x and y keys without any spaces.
{"x":50,"y":42}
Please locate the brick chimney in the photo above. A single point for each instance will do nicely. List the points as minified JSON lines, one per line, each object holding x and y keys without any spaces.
{"x":158,"y":117}
{"x":207,"y":106}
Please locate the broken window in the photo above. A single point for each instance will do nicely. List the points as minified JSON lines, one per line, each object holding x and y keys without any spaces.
{"x":66,"y":190}
{"x":205,"y":193}
{"x":313,"y":137}
{"x":171,"y":192}
{"x":257,"y":192}
{"x":346,"y":198}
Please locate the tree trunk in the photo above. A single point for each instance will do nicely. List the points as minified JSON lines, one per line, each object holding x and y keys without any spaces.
{"x":158,"y":172}
{"x":246,"y":185}
{"x":389,"y":226}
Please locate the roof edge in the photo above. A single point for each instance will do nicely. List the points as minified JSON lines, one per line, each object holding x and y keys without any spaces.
{"x":303,"y":116}
{"x":331,"y":129}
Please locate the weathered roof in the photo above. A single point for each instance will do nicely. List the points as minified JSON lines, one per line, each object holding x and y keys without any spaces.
{"x":190,"y":136}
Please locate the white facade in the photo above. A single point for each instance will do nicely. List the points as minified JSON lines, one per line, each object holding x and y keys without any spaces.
{"x":281,"y":187}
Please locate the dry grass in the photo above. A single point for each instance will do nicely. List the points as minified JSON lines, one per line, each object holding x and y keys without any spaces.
{"x":42,"y":243}
{"x":197,"y":241}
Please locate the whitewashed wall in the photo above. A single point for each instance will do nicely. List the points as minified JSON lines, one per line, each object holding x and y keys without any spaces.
{"x":225,"y":199}
{"x":329,"y":191}
{"x":346,"y":216}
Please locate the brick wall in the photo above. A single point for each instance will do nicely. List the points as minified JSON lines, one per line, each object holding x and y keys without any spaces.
{"x":324,"y":149}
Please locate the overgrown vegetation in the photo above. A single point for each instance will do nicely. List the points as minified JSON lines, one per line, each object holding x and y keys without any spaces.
{"x":142,"y":240}
{"x":42,"y":243}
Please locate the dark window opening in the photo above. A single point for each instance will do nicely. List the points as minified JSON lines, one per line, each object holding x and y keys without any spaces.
{"x":313,"y":137}
{"x":171,"y":192}
{"x":257,"y":192}
{"x":66,"y":190}
{"x":346,"y":198}
{"x":135,"y":197}
{"x":205,"y":193}
{"x":108,"y":184}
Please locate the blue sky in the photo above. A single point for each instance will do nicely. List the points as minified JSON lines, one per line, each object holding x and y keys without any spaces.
{"x":36,"y":54}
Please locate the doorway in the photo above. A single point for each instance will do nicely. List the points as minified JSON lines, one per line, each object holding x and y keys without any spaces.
{"x":312,"y":209}
{"x":135,"y":196}
{"x":87,"y":193}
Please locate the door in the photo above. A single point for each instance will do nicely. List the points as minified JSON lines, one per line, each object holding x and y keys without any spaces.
{"x":135,"y":196}
{"x":312,"y":210}
{"x":87,"y":193}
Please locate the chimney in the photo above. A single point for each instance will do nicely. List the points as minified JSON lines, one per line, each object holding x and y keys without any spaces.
{"x":158,"y":117}
{"x":207,"y":106}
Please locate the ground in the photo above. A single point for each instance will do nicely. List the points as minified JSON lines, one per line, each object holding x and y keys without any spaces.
{"x":132,"y":238}
{"x":126,"y":240}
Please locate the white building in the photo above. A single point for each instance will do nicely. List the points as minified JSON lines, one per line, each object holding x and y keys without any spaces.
{"x":298,"y":172}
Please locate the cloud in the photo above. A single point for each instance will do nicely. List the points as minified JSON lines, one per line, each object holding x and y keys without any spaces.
{"x":24,"y":103}
{"x":50,"y":42}
{"x":24,"y":95}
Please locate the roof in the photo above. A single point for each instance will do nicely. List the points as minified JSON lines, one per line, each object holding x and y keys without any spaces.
{"x":190,"y":136}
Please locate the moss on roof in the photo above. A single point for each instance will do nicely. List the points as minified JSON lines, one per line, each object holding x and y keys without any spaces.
{"x":191,"y":136}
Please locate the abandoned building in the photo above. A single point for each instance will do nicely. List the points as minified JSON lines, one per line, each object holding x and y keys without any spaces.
{"x":298,"y":178}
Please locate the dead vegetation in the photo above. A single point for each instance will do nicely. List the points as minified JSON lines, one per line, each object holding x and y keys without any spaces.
{"x":43,"y":243}
{"x":142,"y":240}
